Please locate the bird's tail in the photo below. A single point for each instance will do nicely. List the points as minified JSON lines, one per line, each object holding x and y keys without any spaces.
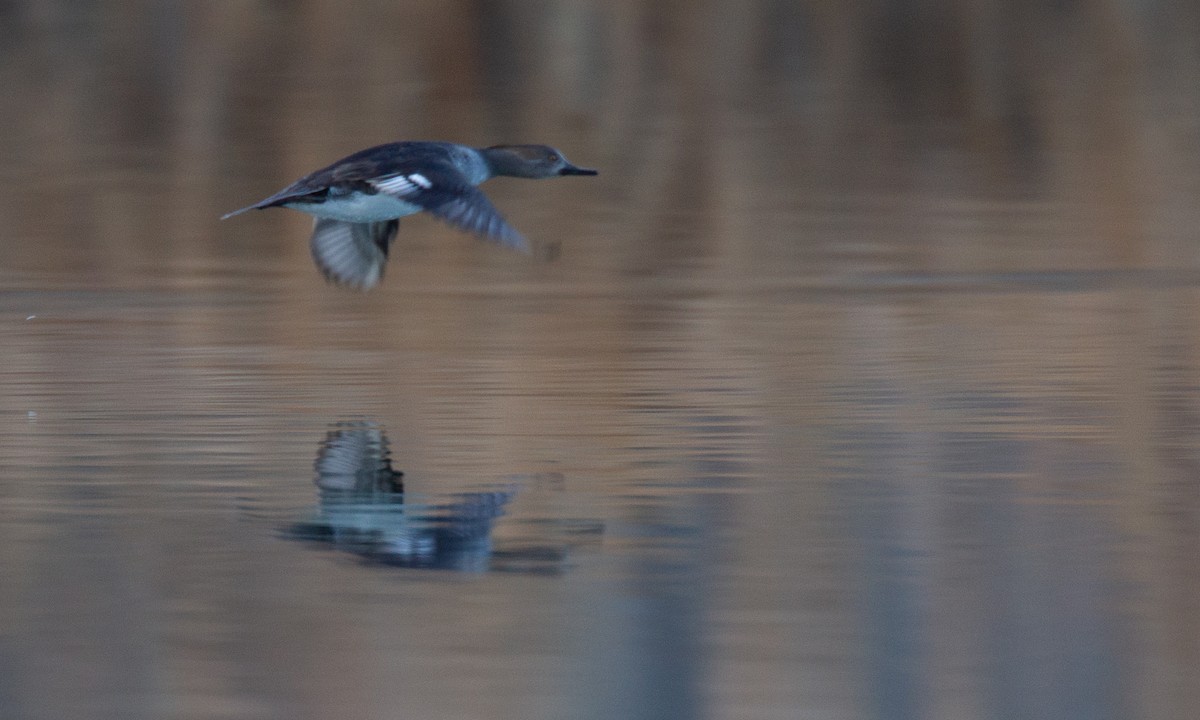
{"x":228,"y":215}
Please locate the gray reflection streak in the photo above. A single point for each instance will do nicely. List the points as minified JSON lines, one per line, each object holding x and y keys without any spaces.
{"x":1014,"y":575}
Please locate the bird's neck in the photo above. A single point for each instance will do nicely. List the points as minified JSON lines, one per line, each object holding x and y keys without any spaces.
{"x":501,"y":161}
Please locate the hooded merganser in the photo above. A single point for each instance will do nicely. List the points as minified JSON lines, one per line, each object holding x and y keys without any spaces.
{"x":358,"y":200}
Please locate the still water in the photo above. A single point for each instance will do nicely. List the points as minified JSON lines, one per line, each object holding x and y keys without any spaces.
{"x":845,"y":395}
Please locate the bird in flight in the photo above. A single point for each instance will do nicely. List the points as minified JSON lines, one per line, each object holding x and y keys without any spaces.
{"x":358,"y":201}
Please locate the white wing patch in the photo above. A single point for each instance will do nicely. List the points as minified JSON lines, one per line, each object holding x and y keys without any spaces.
{"x":402,"y":184}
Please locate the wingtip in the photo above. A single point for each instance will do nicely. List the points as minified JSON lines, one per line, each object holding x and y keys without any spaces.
{"x":506,"y":236}
{"x":518,"y":243}
{"x":344,"y":283}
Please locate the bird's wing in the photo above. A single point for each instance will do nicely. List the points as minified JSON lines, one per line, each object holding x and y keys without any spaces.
{"x":446,"y":194}
{"x":355,"y":456}
{"x":352,"y":254}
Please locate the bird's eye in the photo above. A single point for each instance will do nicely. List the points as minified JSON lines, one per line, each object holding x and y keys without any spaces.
{"x":553,"y":158}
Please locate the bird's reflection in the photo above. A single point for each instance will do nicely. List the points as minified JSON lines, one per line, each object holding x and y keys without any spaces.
{"x":363,"y":508}
{"x":355,"y":459}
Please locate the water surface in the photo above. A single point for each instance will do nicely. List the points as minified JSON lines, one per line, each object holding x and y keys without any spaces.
{"x":849,"y":394}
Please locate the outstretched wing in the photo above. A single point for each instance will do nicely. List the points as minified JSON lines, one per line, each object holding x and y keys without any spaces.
{"x":444,"y":193}
{"x":352,"y":254}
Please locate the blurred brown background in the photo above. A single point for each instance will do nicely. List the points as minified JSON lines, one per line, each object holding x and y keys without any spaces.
{"x":872,"y":349}
{"x":1059,"y":134}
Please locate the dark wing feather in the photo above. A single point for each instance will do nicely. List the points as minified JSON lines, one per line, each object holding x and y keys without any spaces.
{"x":443,"y":192}
{"x":470,"y":210}
{"x":352,"y":254}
